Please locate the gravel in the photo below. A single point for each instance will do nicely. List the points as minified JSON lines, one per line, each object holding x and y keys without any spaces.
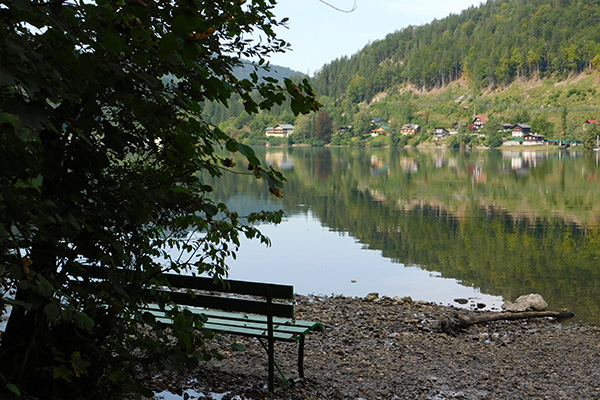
{"x":385,"y":348}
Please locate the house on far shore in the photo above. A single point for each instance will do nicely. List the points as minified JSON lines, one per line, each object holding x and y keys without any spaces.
{"x":378,"y":120}
{"x":283,"y":130}
{"x":479,"y":121}
{"x":381,"y":130}
{"x":507,"y":126}
{"x":533,"y":138}
{"x":410,"y":129}
{"x":590,"y":122}
{"x":440,"y":133}
{"x":520,"y":130}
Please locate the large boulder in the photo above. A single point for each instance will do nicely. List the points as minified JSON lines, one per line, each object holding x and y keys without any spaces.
{"x":528,"y":302}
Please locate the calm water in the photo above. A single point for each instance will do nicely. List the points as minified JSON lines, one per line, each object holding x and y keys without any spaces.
{"x":435,"y":225}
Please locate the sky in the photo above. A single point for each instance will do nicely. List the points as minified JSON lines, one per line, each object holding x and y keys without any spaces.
{"x":319,"y":34}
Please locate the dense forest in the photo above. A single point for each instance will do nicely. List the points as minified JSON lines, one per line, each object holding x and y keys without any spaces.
{"x":491,"y":45}
{"x":519,"y":61}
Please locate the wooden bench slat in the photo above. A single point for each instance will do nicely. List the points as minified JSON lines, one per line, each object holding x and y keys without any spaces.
{"x":231,"y":286}
{"x":259,"y":327}
{"x":229,"y":303}
{"x":237,"y":318}
{"x":241,"y":331}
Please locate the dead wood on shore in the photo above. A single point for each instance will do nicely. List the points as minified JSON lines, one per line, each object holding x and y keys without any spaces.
{"x":457,"y":323}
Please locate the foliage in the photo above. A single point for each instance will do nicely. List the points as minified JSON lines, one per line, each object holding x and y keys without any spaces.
{"x":493,"y":139}
{"x":542,"y":126}
{"x":490,"y":45}
{"x":379,"y":141}
{"x":590,"y":140}
{"x":102,"y":140}
{"x":323,"y":127}
{"x":458,"y":141}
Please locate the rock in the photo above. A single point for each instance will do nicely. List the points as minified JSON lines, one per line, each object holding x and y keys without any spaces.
{"x":401,"y":300}
{"x":529,"y":302}
{"x":461,"y":301}
{"x":372,"y":296}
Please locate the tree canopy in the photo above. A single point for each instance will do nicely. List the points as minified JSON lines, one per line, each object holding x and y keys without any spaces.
{"x":102,"y":142}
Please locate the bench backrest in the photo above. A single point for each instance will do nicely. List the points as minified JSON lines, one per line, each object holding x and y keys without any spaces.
{"x":226,"y":295}
{"x":206,"y":297}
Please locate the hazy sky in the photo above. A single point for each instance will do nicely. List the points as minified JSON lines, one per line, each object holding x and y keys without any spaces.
{"x":320,"y":34}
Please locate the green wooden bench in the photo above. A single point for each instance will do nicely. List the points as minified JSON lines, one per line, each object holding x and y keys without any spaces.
{"x":252,"y":309}
{"x":228,"y":310}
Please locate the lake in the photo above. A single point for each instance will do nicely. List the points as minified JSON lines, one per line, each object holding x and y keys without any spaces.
{"x":436,"y":225}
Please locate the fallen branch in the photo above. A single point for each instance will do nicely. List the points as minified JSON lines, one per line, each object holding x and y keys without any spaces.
{"x":457,"y":323}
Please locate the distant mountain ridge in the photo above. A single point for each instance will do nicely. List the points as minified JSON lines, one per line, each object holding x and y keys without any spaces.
{"x":274,"y":71}
{"x":490,"y":45}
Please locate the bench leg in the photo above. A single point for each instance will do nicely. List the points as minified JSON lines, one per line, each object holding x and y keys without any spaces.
{"x":272,"y":365}
{"x":301,"y":358}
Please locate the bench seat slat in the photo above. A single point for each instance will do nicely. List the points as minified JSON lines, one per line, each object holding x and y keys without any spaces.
{"x":256,"y":318}
{"x":242,"y":331}
{"x":286,"y":330}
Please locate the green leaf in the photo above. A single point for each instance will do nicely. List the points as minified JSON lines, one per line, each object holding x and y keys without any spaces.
{"x":112,"y":43}
{"x":168,"y":44}
{"x":67,"y":313}
{"x":249,"y":153}
{"x":51,"y":310}
{"x":83,"y":321}
{"x":237,"y":347}
{"x":232,"y":145}
{"x":18,"y":303}
{"x":79,"y":364}
{"x":210,"y":209}
{"x":149,"y":318}
{"x":14,"y":389}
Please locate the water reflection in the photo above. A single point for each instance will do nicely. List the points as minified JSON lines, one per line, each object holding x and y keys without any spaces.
{"x":505,"y":222}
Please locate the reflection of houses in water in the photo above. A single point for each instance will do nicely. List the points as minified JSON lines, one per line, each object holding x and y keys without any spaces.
{"x":522,"y":161}
{"x":280,"y":159}
{"x":377,"y":196}
{"x":378,"y":166}
{"x":409,"y":164}
{"x":479,"y":175}
{"x":439,"y":161}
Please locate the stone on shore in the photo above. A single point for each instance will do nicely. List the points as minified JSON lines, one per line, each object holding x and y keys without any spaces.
{"x":528,"y":302}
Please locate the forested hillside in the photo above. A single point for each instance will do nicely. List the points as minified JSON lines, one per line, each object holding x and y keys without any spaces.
{"x":519,"y":61}
{"x":490,"y":45}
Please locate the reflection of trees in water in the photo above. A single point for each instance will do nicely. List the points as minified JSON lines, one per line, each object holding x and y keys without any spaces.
{"x":508,"y":234}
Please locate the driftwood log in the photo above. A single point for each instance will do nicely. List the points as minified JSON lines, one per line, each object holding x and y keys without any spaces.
{"x":457,"y":323}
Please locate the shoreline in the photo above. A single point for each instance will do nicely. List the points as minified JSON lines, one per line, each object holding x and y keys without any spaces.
{"x":386,"y":348}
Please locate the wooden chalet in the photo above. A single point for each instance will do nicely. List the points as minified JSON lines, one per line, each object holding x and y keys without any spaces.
{"x":380,"y":130}
{"x":479,"y":121}
{"x":533,"y":138}
{"x":520,"y":130}
{"x":283,"y":130}
{"x":410,"y":129}
{"x":440,"y":133}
